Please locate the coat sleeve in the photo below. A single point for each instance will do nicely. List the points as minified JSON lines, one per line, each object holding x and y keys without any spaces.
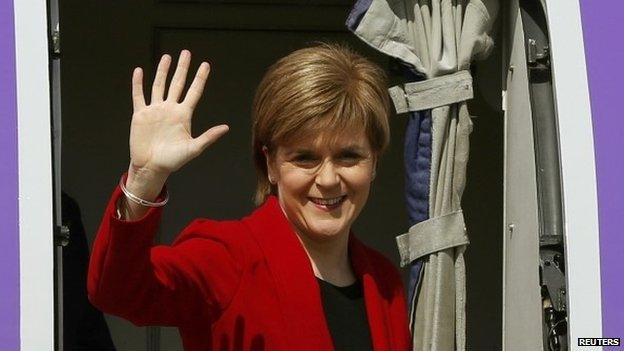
{"x":193,"y":279}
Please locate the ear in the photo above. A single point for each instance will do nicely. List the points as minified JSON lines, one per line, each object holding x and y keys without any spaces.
{"x":374,"y":174}
{"x":269,"y":164}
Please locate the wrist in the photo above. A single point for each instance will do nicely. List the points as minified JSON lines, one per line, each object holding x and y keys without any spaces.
{"x":145,"y":183}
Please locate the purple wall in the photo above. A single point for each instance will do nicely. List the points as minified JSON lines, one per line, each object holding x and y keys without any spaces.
{"x":9,"y":236}
{"x":603,"y":27}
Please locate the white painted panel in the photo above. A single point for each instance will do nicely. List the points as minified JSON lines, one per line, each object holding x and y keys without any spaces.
{"x":35,"y":177}
{"x":522,"y":315}
{"x":578,"y":170}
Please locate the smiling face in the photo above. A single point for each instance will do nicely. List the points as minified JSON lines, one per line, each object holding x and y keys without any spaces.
{"x":323,"y":182}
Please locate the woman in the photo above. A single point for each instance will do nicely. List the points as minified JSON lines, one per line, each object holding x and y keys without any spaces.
{"x":289,"y":276}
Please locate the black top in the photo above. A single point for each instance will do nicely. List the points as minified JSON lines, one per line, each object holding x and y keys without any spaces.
{"x":345,"y":313}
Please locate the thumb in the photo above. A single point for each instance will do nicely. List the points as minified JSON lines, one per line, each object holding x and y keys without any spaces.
{"x":199,"y":144}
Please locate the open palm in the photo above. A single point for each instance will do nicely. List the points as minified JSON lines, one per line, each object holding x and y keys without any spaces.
{"x":160,"y":133}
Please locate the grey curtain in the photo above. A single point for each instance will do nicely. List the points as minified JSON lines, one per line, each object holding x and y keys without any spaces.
{"x":435,"y":40}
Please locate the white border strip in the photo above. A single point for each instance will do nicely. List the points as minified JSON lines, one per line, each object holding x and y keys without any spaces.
{"x":35,"y":177}
{"x":578,"y":170}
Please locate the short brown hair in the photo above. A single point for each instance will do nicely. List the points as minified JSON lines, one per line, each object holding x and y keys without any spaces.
{"x":318,"y":88}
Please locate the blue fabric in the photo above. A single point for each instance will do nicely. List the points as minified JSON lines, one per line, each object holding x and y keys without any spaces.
{"x":417,"y":158}
{"x":357,"y":13}
{"x":417,"y":161}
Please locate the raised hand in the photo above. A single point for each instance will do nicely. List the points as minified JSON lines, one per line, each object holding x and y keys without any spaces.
{"x":160,"y":133}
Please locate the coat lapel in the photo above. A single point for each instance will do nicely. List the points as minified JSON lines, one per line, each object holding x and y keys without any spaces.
{"x":376,"y":310}
{"x":297,"y":290}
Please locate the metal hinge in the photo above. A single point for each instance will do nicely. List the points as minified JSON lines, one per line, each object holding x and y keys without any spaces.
{"x":56,"y":41}
{"x":554,"y":300}
{"x":61,"y":235}
{"x":535,"y":58}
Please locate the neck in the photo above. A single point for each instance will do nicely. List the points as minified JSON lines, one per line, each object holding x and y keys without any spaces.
{"x":330,"y":258}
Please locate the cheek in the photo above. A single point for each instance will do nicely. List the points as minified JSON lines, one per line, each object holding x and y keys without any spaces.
{"x":292,"y":182}
{"x":360,"y":177}
{"x":358,"y":184}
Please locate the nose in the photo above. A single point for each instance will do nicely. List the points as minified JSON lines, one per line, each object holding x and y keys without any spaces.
{"x":327,"y":176}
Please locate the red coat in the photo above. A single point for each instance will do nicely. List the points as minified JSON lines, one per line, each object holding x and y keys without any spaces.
{"x":234,"y":285}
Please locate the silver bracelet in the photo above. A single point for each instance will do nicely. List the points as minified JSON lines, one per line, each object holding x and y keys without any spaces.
{"x":137,"y":199}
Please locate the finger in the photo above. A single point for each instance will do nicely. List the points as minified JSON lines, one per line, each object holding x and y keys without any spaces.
{"x":197,"y":87}
{"x":138,"y":99}
{"x":158,"y":88}
{"x":179,"y":77}
{"x":199,"y":144}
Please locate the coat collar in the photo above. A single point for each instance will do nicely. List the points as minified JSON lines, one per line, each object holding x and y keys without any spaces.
{"x":296,"y":285}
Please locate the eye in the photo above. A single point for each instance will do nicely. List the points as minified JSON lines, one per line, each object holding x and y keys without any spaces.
{"x":305,"y":160}
{"x":350,"y":157}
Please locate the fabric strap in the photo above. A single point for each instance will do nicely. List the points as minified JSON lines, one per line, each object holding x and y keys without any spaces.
{"x":431,"y":236}
{"x":432,"y":93}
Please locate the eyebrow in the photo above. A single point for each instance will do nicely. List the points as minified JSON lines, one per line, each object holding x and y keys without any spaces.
{"x":353,"y":149}
{"x":350,"y":148}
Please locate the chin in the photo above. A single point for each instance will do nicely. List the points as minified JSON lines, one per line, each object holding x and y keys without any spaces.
{"x":326,"y":234}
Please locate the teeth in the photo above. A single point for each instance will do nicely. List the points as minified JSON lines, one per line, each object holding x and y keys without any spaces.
{"x":327,"y":202}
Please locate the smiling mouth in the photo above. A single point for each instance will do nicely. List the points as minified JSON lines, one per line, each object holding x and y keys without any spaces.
{"x":328,"y":203}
